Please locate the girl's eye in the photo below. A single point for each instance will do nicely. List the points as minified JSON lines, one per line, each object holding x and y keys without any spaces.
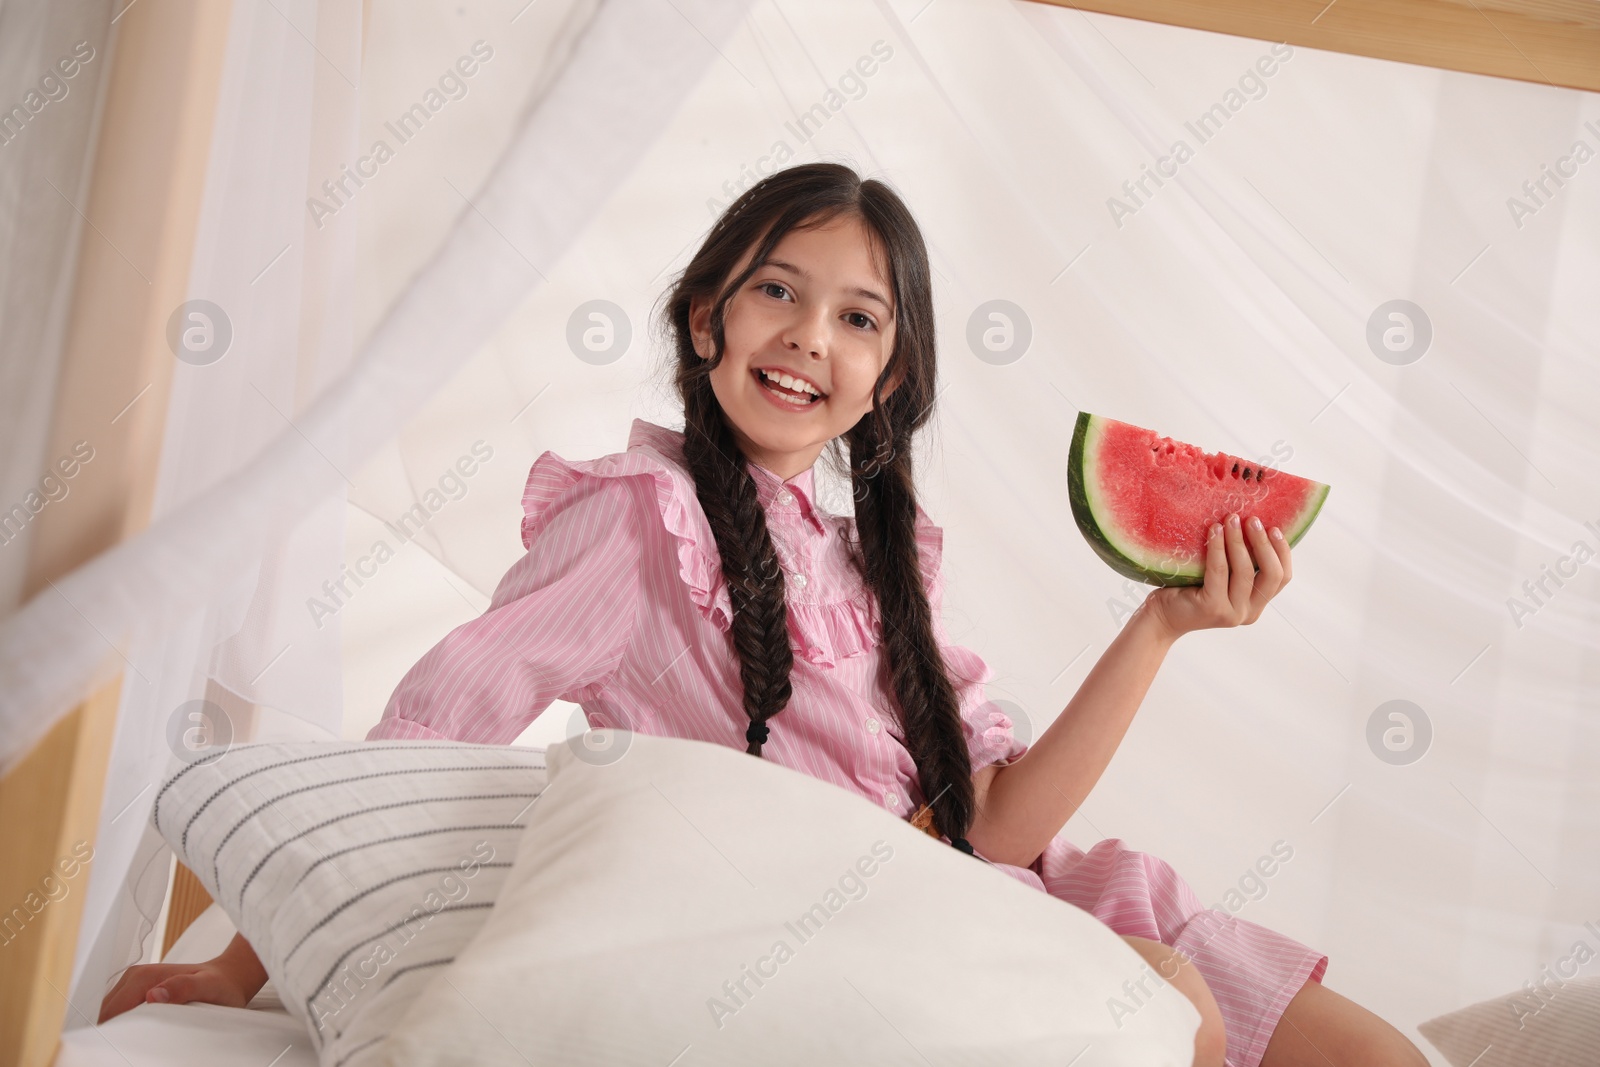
{"x":860,"y":320}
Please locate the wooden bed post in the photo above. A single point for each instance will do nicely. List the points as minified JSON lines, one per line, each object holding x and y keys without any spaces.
{"x":1553,"y":42}
{"x":143,"y":209}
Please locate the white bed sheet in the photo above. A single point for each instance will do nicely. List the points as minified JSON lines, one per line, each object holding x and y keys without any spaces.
{"x":195,"y":1035}
{"x":190,"y":1035}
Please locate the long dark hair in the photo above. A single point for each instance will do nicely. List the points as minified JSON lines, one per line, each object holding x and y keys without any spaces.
{"x":879,"y":462}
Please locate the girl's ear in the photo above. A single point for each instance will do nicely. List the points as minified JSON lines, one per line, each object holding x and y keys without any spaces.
{"x":895,"y":380}
{"x":700,"y":325}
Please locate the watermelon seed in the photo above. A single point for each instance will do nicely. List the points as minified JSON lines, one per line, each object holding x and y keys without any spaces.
{"x":1236,"y":468}
{"x":1247,"y":474}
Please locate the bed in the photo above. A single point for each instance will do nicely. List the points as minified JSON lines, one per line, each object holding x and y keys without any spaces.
{"x":526,"y":879}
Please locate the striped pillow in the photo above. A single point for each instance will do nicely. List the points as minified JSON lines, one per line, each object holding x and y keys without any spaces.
{"x":354,"y":870}
{"x":1556,"y":1024}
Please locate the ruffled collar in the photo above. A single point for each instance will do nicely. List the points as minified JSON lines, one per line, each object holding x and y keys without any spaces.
{"x":823,"y":629}
{"x":669,"y":443}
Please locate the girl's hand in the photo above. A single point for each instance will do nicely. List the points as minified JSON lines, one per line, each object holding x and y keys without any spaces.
{"x":232,"y":979}
{"x":172,"y":983}
{"x":1245,"y":568}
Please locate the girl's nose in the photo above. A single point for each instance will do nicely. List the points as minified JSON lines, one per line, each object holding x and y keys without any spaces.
{"x":808,"y":333}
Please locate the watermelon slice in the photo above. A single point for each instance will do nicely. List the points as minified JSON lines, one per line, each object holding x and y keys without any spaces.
{"x":1146,"y":503}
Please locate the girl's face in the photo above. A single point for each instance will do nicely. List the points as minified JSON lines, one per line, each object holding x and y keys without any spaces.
{"x":818,"y":310}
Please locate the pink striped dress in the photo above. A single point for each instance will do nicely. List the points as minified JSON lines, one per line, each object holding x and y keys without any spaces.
{"x":620,"y":606}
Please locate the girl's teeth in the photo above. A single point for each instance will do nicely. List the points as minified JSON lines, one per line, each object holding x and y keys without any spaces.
{"x":795,"y":400}
{"x":771,"y":384}
{"x":788,"y":382}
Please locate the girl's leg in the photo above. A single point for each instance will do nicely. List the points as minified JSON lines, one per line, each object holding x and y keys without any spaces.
{"x":1211,"y":1040}
{"x":1320,"y":1028}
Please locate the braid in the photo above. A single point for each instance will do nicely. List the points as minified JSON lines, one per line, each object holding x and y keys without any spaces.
{"x":750,"y":566}
{"x":930,"y":711}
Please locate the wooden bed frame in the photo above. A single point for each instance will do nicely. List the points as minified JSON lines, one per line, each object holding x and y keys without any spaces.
{"x":1553,"y":42}
{"x":144,"y":195}
{"x":149,"y":172}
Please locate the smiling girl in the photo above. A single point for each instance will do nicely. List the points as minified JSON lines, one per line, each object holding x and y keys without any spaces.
{"x":691,"y":587}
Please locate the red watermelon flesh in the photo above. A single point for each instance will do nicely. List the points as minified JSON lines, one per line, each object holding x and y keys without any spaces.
{"x":1146,"y":503}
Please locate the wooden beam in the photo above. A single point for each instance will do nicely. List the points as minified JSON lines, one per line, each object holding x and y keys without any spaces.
{"x":189,"y":899}
{"x":143,"y":211}
{"x":1552,"y":42}
{"x":50,"y":820}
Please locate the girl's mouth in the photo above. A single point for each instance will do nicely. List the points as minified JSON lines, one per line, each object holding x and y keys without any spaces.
{"x":796,"y":399}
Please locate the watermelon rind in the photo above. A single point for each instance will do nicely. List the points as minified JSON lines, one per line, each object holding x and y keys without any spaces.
{"x":1126,"y":560}
{"x":1304,"y":524}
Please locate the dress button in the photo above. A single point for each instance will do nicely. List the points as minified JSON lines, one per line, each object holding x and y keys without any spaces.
{"x":798,"y":579}
{"x":784,"y":497}
{"x":891,"y":799}
{"x":873,"y":726}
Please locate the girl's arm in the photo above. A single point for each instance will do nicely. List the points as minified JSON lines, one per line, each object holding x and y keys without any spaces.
{"x":1021,"y":806}
{"x":560,"y":622}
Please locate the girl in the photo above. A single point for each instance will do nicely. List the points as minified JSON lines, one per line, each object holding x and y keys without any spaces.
{"x":691,"y":587}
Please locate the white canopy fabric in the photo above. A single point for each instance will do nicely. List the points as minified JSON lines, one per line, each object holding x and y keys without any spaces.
{"x":1202,"y":234}
{"x":46,"y":137}
{"x":251,"y":499}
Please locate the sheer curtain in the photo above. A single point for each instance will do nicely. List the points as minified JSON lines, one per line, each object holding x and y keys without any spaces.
{"x":278,"y":290}
{"x":1234,"y":293}
{"x":264,"y":439}
{"x":47,"y":133}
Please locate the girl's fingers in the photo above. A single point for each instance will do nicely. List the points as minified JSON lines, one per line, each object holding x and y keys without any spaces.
{"x":1269,"y":576}
{"x":120,"y":999}
{"x":133,"y":988}
{"x":1280,"y":544}
{"x":1214,"y":589}
{"x":1269,"y":564}
{"x":183,"y":988}
{"x":1243,"y":571}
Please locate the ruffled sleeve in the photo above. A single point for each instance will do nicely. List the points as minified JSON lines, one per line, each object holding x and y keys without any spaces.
{"x":653,"y":460}
{"x":558,"y":626}
{"x":991,"y":733}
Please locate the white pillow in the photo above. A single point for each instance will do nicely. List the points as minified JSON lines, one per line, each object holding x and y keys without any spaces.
{"x":1558,"y":1027}
{"x":649,"y":888}
{"x":355,"y":870}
